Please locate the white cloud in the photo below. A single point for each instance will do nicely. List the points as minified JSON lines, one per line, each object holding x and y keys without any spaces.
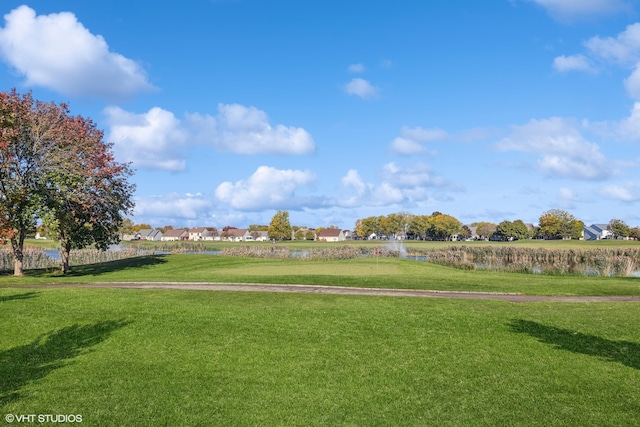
{"x":627,"y":129}
{"x":407,"y":147}
{"x":356,"y":68}
{"x":155,"y":139}
{"x":412,"y":140}
{"x":58,"y":52}
{"x":569,"y":10}
{"x":417,"y":176}
{"x":353,"y":179}
{"x":361,"y":88}
{"x":563,"y":152}
{"x":267,"y":188}
{"x":246,"y":130}
{"x":572,"y":63}
{"x":632,"y":83}
{"x":630,"y":192}
{"x":623,"y":49}
{"x":150,"y":140}
{"x":171,"y":206}
{"x":399,"y":184}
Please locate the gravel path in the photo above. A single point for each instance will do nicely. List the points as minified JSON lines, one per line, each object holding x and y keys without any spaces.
{"x":337,"y":290}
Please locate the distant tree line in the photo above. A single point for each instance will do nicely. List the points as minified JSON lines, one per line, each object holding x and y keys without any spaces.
{"x":552,"y":224}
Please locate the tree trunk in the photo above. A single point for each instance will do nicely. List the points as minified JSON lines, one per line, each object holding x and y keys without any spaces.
{"x":65,"y":250}
{"x":17,"y":245}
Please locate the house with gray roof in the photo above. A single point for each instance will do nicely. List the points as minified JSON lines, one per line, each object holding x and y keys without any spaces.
{"x":597,"y":232}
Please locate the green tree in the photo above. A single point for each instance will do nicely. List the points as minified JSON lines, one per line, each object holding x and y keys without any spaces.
{"x":619,"y":228}
{"x":419,"y":226}
{"x":368,"y":227}
{"x":442,"y":226}
{"x":280,"y":227}
{"x":515,"y":230}
{"x":577,"y":229}
{"x":559,"y":224}
{"x":89,"y":198}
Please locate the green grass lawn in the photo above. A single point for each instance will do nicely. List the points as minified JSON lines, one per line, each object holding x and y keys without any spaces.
{"x":362,"y":272}
{"x":171,"y":357}
{"x":178,"y":358}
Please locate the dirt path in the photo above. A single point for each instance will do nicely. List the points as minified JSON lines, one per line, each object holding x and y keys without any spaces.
{"x":336,"y":290}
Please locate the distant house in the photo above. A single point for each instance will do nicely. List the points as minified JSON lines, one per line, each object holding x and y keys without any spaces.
{"x":331,"y":235}
{"x":174,"y":235}
{"x":203,"y":233}
{"x":260,"y":236}
{"x":597,"y":232}
{"x":237,"y":235}
{"x":210,"y":233}
{"x":149,"y":234}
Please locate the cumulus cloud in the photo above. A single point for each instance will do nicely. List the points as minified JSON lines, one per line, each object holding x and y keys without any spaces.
{"x":150,"y":140}
{"x":562,"y":150}
{"x":267,"y":188}
{"x":399,"y":184}
{"x":412,"y":140}
{"x":569,"y":10}
{"x":246,"y":130}
{"x":572,"y":63}
{"x":627,"y":129}
{"x":622,"y":50}
{"x":361,"y":88}
{"x":170,"y":206}
{"x":57,"y":52}
{"x":629,"y":192}
{"x":155,"y":139}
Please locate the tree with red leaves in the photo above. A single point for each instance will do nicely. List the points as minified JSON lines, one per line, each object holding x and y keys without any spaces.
{"x":57,"y":168}
{"x":28,"y":135}
{"x":89,"y":196}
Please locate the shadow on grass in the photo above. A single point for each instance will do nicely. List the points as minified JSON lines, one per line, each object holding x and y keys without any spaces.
{"x":625,"y":352}
{"x":23,"y":365}
{"x":97,"y":268}
{"x":26,"y":295}
{"x":118,"y":265}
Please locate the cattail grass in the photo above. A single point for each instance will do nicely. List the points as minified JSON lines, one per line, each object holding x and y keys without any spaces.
{"x":96,"y":256}
{"x":597,"y":261}
{"x":33,"y":259}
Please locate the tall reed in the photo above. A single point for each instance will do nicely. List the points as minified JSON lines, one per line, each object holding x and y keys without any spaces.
{"x":600,"y":261}
{"x":33,"y":259}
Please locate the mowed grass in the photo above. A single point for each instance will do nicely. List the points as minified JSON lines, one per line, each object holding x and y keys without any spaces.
{"x":177,"y":358}
{"x":362,"y":272}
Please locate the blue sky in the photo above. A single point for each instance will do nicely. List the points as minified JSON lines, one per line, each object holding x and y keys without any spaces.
{"x":230,"y":110}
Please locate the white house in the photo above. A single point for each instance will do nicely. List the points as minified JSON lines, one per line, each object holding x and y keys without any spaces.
{"x":203,"y":233}
{"x":149,"y":234}
{"x":597,"y":232}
